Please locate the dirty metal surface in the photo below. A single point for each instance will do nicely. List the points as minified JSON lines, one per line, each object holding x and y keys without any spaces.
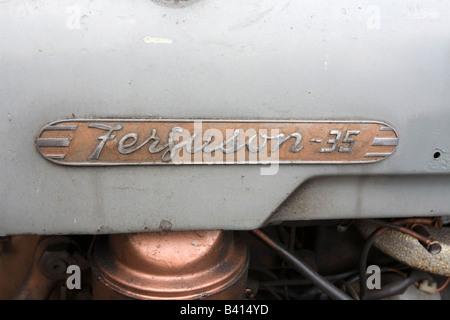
{"x":236,"y":59}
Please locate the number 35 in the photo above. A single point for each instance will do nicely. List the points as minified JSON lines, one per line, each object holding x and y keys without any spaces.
{"x":334,"y":142}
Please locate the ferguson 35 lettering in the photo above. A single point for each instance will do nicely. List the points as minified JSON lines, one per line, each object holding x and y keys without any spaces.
{"x":145,"y":142}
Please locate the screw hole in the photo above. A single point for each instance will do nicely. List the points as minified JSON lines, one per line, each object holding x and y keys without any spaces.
{"x":437,"y":154}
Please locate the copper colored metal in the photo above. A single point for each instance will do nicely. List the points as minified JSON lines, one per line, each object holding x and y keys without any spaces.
{"x":51,"y":257}
{"x":170,"y":265}
{"x":99,"y":142}
{"x":36,"y":286}
{"x":16,"y":257}
{"x":425,"y":240}
{"x":434,"y":222}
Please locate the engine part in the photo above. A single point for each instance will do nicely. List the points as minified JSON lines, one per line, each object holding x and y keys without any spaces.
{"x":170,"y":265}
{"x":396,"y":287}
{"x":16,"y":257}
{"x":303,"y":268}
{"x":407,"y":249}
{"x":99,"y":98}
{"x":51,"y":258}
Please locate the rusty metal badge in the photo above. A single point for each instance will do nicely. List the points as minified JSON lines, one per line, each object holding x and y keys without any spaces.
{"x":112,"y":142}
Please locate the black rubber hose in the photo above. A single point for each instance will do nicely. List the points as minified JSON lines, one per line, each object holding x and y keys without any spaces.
{"x":391,"y":289}
{"x":396,"y":287}
{"x":363,"y":260}
{"x":304,"y":282}
{"x":322,"y":283}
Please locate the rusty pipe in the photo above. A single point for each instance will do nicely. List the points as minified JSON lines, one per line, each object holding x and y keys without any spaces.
{"x":408,"y":250}
{"x":432,"y":245}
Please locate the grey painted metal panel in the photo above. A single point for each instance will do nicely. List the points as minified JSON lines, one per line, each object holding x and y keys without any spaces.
{"x":234,"y":59}
{"x":350,"y":197}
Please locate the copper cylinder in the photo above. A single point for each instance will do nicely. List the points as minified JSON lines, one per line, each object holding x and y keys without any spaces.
{"x":170,"y":265}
